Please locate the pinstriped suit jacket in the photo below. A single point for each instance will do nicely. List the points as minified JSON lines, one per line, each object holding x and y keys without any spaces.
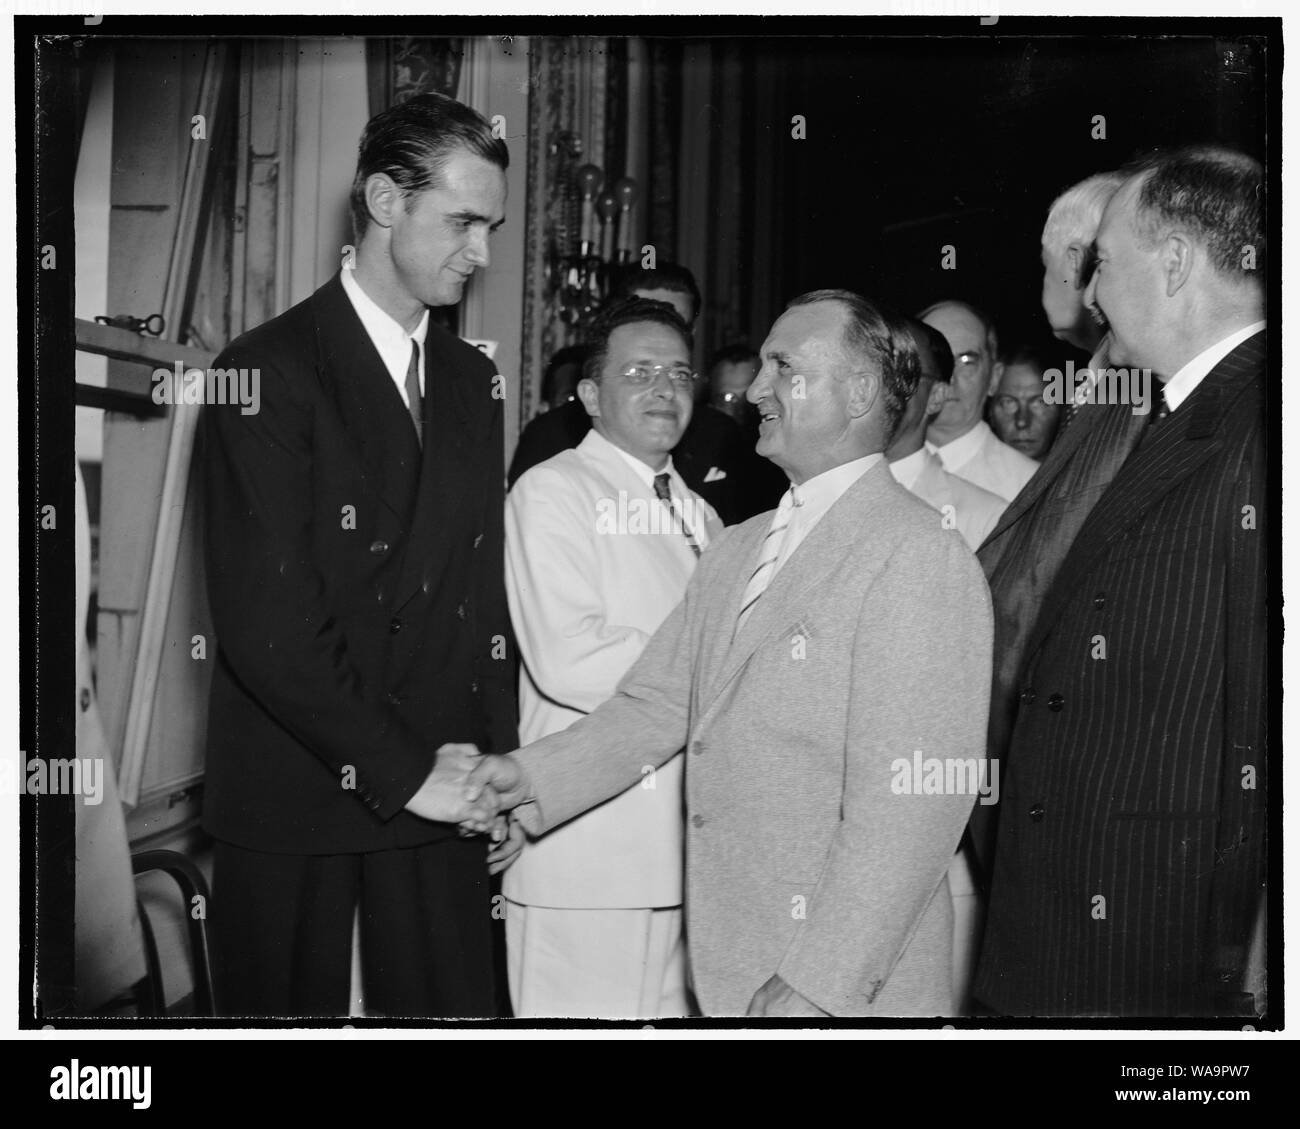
{"x":1129,"y":854}
{"x":807,"y":855}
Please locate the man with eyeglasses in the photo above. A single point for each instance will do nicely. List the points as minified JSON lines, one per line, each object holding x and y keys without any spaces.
{"x":959,"y":435}
{"x":711,"y":455}
{"x":1019,"y":414}
{"x":600,"y":543}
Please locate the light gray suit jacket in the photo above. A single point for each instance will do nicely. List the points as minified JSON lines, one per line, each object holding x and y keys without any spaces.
{"x":810,"y":852}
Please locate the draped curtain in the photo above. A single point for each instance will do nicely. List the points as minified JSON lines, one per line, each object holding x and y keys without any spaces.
{"x":397,"y":69}
{"x":699,"y":124}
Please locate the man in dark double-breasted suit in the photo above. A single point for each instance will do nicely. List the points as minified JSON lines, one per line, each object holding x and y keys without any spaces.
{"x":1130,"y":701}
{"x":355,"y":572}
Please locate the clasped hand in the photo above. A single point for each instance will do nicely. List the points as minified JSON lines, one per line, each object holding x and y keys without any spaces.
{"x":473,"y":790}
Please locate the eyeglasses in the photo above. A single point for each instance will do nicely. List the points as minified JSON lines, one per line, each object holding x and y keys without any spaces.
{"x":639,"y":376}
{"x":1009,"y":405}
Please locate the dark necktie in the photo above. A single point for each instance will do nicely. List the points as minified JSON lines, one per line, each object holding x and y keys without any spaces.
{"x":414,"y":399}
{"x":1158,"y":414}
{"x":666,"y":496}
{"x":1159,"y":405}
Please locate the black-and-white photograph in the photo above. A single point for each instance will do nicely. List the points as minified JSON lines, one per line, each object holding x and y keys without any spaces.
{"x":760,"y":521}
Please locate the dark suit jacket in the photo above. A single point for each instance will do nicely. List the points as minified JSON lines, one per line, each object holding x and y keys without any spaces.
{"x":710,"y":440}
{"x":357,"y":589}
{"x":1024,"y":552}
{"x":1129,"y":855}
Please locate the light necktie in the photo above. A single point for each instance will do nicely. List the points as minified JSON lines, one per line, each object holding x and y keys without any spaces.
{"x":768,"y":553}
{"x":665,"y":495}
{"x":414,"y":400}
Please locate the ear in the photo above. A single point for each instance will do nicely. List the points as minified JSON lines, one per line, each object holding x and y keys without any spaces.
{"x":864,"y":393}
{"x":998,"y":369}
{"x":937,"y":397}
{"x":589,"y":394}
{"x":1177,"y":256}
{"x":1075,"y":255}
{"x":383,"y":199}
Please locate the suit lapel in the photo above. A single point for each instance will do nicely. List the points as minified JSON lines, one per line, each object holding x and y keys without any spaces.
{"x":1183,"y":442}
{"x":368,"y":401}
{"x":448,"y":494}
{"x":1085,"y":421}
{"x":836,"y":536}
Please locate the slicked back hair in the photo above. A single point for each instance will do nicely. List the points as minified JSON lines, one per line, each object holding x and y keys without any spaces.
{"x":630,"y":311}
{"x":673,"y":277}
{"x":411,"y":143}
{"x":1075,"y":214}
{"x":1214,"y":192}
{"x":879,"y":338}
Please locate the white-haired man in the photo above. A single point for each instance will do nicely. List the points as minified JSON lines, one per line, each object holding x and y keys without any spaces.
{"x":1131,"y":848}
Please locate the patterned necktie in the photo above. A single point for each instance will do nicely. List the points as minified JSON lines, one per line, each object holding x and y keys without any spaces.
{"x":414,"y":399}
{"x":768,"y":553}
{"x":665,"y":495}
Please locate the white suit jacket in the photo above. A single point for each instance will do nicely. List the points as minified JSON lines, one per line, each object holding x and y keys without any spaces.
{"x":814,"y":849}
{"x":593,"y":567}
{"x":974,"y":511}
{"x":981,"y":457}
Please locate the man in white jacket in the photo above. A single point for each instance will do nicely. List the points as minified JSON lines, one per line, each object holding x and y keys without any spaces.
{"x":600,"y":543}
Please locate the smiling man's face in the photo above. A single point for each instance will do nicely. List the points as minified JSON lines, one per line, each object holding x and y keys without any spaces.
{"x":645,"y":421}
{"x":440,"y":235}
{"x":803,"y":389}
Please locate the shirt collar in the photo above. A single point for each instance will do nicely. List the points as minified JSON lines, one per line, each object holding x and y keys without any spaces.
{"x":1183,"y":383}
{"x":908,"y":469}
{"x":388,"y":336}
{"x":814,"y":497}
{"x":643,"y":472}
{"x":965,"y":447}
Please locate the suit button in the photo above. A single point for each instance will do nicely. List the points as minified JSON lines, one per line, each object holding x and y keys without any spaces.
{"x":1056,"y":703}
{"x":697,"y":748}
{"x":379,"y":548}
{"x":460,"y":611}
{"x":394,"y":699}
{"x":1036,"y":813}
{"x":473,"y":687}
{"x":1027,"y":695}
{"x":85,"y":699}
{"x":394,"y":625}
{"x":1099,"y":600}
{"x":697,"y":821}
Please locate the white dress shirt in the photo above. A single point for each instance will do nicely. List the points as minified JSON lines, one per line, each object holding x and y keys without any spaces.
{"x":973,"y":511}
{"x":390,"y":340}
{"x":589,"y":581}
{"x":685,"y":513}
{"x":981,"y":457}
{"x":1183,"y":383}
{"x":813,"y":498}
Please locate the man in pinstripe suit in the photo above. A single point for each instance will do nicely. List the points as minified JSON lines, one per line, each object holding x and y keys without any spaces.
{"x":1129,"y":863}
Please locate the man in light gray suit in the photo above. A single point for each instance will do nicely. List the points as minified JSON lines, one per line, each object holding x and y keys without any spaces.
{"x":827,"y":672}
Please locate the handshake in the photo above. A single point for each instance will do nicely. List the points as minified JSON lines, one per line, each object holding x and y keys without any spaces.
{"x":473,"y":790}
